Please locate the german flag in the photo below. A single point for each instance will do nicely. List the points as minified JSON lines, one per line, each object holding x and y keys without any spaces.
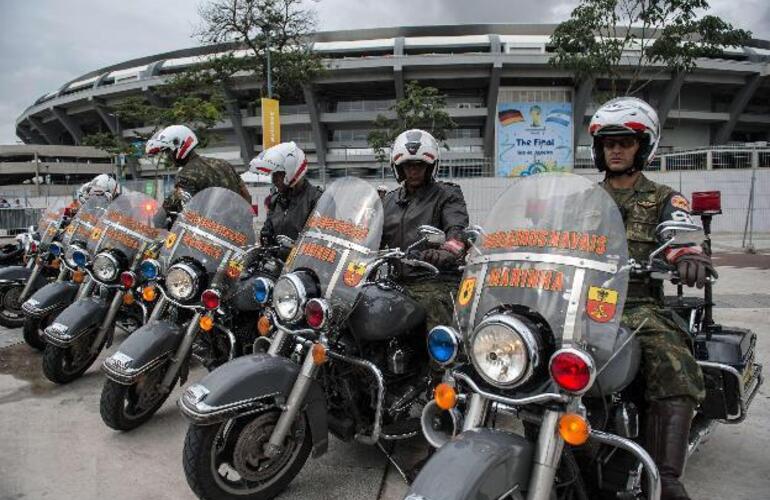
{"x":509,"y":117}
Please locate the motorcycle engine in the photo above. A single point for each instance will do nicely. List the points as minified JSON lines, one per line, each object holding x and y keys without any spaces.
{"x":399,"y":357}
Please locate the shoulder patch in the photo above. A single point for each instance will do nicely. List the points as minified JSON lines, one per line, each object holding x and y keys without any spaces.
{"x":680,"y":202}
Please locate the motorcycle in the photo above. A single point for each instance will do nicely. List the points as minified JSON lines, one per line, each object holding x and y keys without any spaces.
{"x":539,"y":339}
{"x":42,"y":306}
{"x":17,"y":282}
{"x":346,"y":356}
{"x":205,"y":307}
{"x":130,"y":226}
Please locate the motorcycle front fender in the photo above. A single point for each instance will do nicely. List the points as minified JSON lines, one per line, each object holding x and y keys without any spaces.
{"x":49,"y":298}
{"x":143,"y":350}
{"x":482,"y":463}
{"x":20,"y":274}
{"x":77,"y":319}
{"x":249,"y":384}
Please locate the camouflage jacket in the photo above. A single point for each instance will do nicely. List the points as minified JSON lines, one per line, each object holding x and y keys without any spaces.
{"x":643,"y":207}
{"x":287,"y":213}
{"x":200,"y":173}
{"x":439,"y":204}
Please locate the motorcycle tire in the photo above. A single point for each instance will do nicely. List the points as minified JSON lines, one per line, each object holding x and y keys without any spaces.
{"x":63,"y":365}
{"x":11,"y":315}
{"x":117,"y":405}
{"x":33,"y":330}
{"x":242,"y":437}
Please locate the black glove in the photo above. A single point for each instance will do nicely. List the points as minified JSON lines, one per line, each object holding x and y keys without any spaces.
{"x":695,"y":268}
{"x":440,"y":258}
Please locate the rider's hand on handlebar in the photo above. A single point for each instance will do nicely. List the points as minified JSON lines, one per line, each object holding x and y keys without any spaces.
{"x":694,"y":269}
{"x":439,"y":257}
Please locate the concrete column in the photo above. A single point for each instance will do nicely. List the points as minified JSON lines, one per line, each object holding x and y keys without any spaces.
{"x":245,"y":140}
{"x":670,"y":93}
{"x":398,"y":68}
{"x":579,"y":106}
{"x":109,"y":119}
{"x":493,"y":90}
{"x":318,"y":129}
{"x":43,"y":130}
{"x":72,"y":127}
{"x":738,"y":104}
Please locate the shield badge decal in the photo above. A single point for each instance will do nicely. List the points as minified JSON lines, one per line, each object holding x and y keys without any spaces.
{"x":170,"y":240}
{"x":601,"y":304}
{"x":467,"y":288}
{"x":354,"y":274}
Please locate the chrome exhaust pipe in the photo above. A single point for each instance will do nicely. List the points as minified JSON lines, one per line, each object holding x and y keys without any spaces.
{"x":440,"y":426}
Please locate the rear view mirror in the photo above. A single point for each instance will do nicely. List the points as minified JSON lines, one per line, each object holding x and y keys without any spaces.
{"x":671,"y":228}
{"x":473,"y":233}
{"x":433,"y":235}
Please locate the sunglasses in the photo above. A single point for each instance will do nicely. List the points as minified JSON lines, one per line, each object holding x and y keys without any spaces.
{"x":624,"y":142}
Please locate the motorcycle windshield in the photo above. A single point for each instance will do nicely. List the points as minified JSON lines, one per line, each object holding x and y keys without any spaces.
{"x":48,"y":227}
{"x":554,"y":244}
{"x":131,"y":223}
{"x":213,"y":230}
{"x":82,"y":225}
{"x":340,"y":240}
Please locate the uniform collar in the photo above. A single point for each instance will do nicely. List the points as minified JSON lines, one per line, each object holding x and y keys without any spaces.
{"x":404,"y":195}
{"x":642,"y":185}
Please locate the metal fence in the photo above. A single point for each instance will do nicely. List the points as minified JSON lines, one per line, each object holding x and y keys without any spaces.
{"x":16,"y":220}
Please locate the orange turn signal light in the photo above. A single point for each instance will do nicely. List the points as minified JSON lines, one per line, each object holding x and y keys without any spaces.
{"x":445,"y":396}
{"x":319,"y":354}
{"x":263,"y":325}
{"x":574,"y":429}
{"x":78,"y":276}
{"x":55,"y":264}
{"x":206,"y":323}
{"x":128,"y":298}
{"x":149,"y":294}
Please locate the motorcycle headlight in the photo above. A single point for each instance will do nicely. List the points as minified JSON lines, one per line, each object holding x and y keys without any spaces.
{"x":105,"y":267}
{"x":504,"y":350}
{"x":181,"y":282}
{"x":289,"y":297}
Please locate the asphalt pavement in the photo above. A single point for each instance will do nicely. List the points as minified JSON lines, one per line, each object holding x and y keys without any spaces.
{"x":53,"y":444}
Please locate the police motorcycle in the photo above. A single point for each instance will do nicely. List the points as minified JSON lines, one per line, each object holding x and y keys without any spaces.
{"x":347,"y":356}
{"x":130,"y":226}
{"x":12,"y":254}
{"x":205,"y":306}
{"x":17,"y":282}
{"x":539,"y":339}
{"x":45,"y":304}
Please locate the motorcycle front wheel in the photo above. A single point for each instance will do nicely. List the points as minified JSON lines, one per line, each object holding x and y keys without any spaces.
{"x":33,"y":329}
{"x":65,"y":364}
{"x":11,"y":315}
{"x":227,"y":461}
{"x":126,"y":407}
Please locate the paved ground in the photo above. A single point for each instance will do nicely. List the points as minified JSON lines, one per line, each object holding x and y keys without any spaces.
{"x":53,"y":444}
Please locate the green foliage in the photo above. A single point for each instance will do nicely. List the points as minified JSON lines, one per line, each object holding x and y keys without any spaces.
{"x":106,"y":142}
{"x":281,"y":27}
{"x":657,"y":35}
{"x":421,"y":107}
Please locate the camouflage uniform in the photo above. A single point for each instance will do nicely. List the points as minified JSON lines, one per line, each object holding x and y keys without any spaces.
{"x":199,"y":173}
{"x":668,"y":367}
{"x":439,"y":204}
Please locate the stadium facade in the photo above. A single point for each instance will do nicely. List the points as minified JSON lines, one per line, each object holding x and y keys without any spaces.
{"x":494,"y":76}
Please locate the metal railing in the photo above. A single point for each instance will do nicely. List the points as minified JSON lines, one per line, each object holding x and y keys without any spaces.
{"x":14,"y":221}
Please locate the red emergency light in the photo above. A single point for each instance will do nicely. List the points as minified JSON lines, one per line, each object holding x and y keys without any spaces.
{"x":707,"y":202}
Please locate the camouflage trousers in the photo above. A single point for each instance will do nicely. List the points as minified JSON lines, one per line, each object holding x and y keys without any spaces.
{"x":436,"y":297}
{"x":668,"y":366}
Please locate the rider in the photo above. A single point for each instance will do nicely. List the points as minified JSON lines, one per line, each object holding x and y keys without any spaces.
{"x":420,"y":200}
{"x":625,"y":135}
{"x":292,"y":197}
{"x":195,"y":173}
{"x":103,"y":185}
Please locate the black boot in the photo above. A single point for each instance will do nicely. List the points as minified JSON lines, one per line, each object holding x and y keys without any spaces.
{"x":666,"y":435}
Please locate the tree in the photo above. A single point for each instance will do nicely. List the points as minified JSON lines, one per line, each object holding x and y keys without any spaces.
{"x":421,"y":107}
{"x":274,"y":32}
{"x":624,"y":40}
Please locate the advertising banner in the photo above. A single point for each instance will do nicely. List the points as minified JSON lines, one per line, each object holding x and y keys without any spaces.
{"x":533,"y":137}
{"x":271,"y":123}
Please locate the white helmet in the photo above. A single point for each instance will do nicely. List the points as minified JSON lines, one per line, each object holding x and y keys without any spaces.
{"x":103,"y":185}
{"x":177,"y":139}
{"x":414,"y":145}
{"x":626,"y":116}
{"x":285,"y":157}
{"x":382,"y":188}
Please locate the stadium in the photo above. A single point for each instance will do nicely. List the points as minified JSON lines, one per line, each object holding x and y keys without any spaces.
{"x":494,"y":76}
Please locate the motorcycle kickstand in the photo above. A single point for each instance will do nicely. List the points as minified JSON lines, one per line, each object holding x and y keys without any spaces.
{"x":393,"y":461}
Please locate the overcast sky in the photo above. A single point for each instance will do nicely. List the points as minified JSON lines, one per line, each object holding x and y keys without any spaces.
{"x":45,"y":43}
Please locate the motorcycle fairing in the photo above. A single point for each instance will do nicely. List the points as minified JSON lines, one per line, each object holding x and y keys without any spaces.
{"x":49,"y":298}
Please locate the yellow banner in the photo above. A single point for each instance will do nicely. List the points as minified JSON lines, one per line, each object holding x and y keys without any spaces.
{"x":271,"y":123}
